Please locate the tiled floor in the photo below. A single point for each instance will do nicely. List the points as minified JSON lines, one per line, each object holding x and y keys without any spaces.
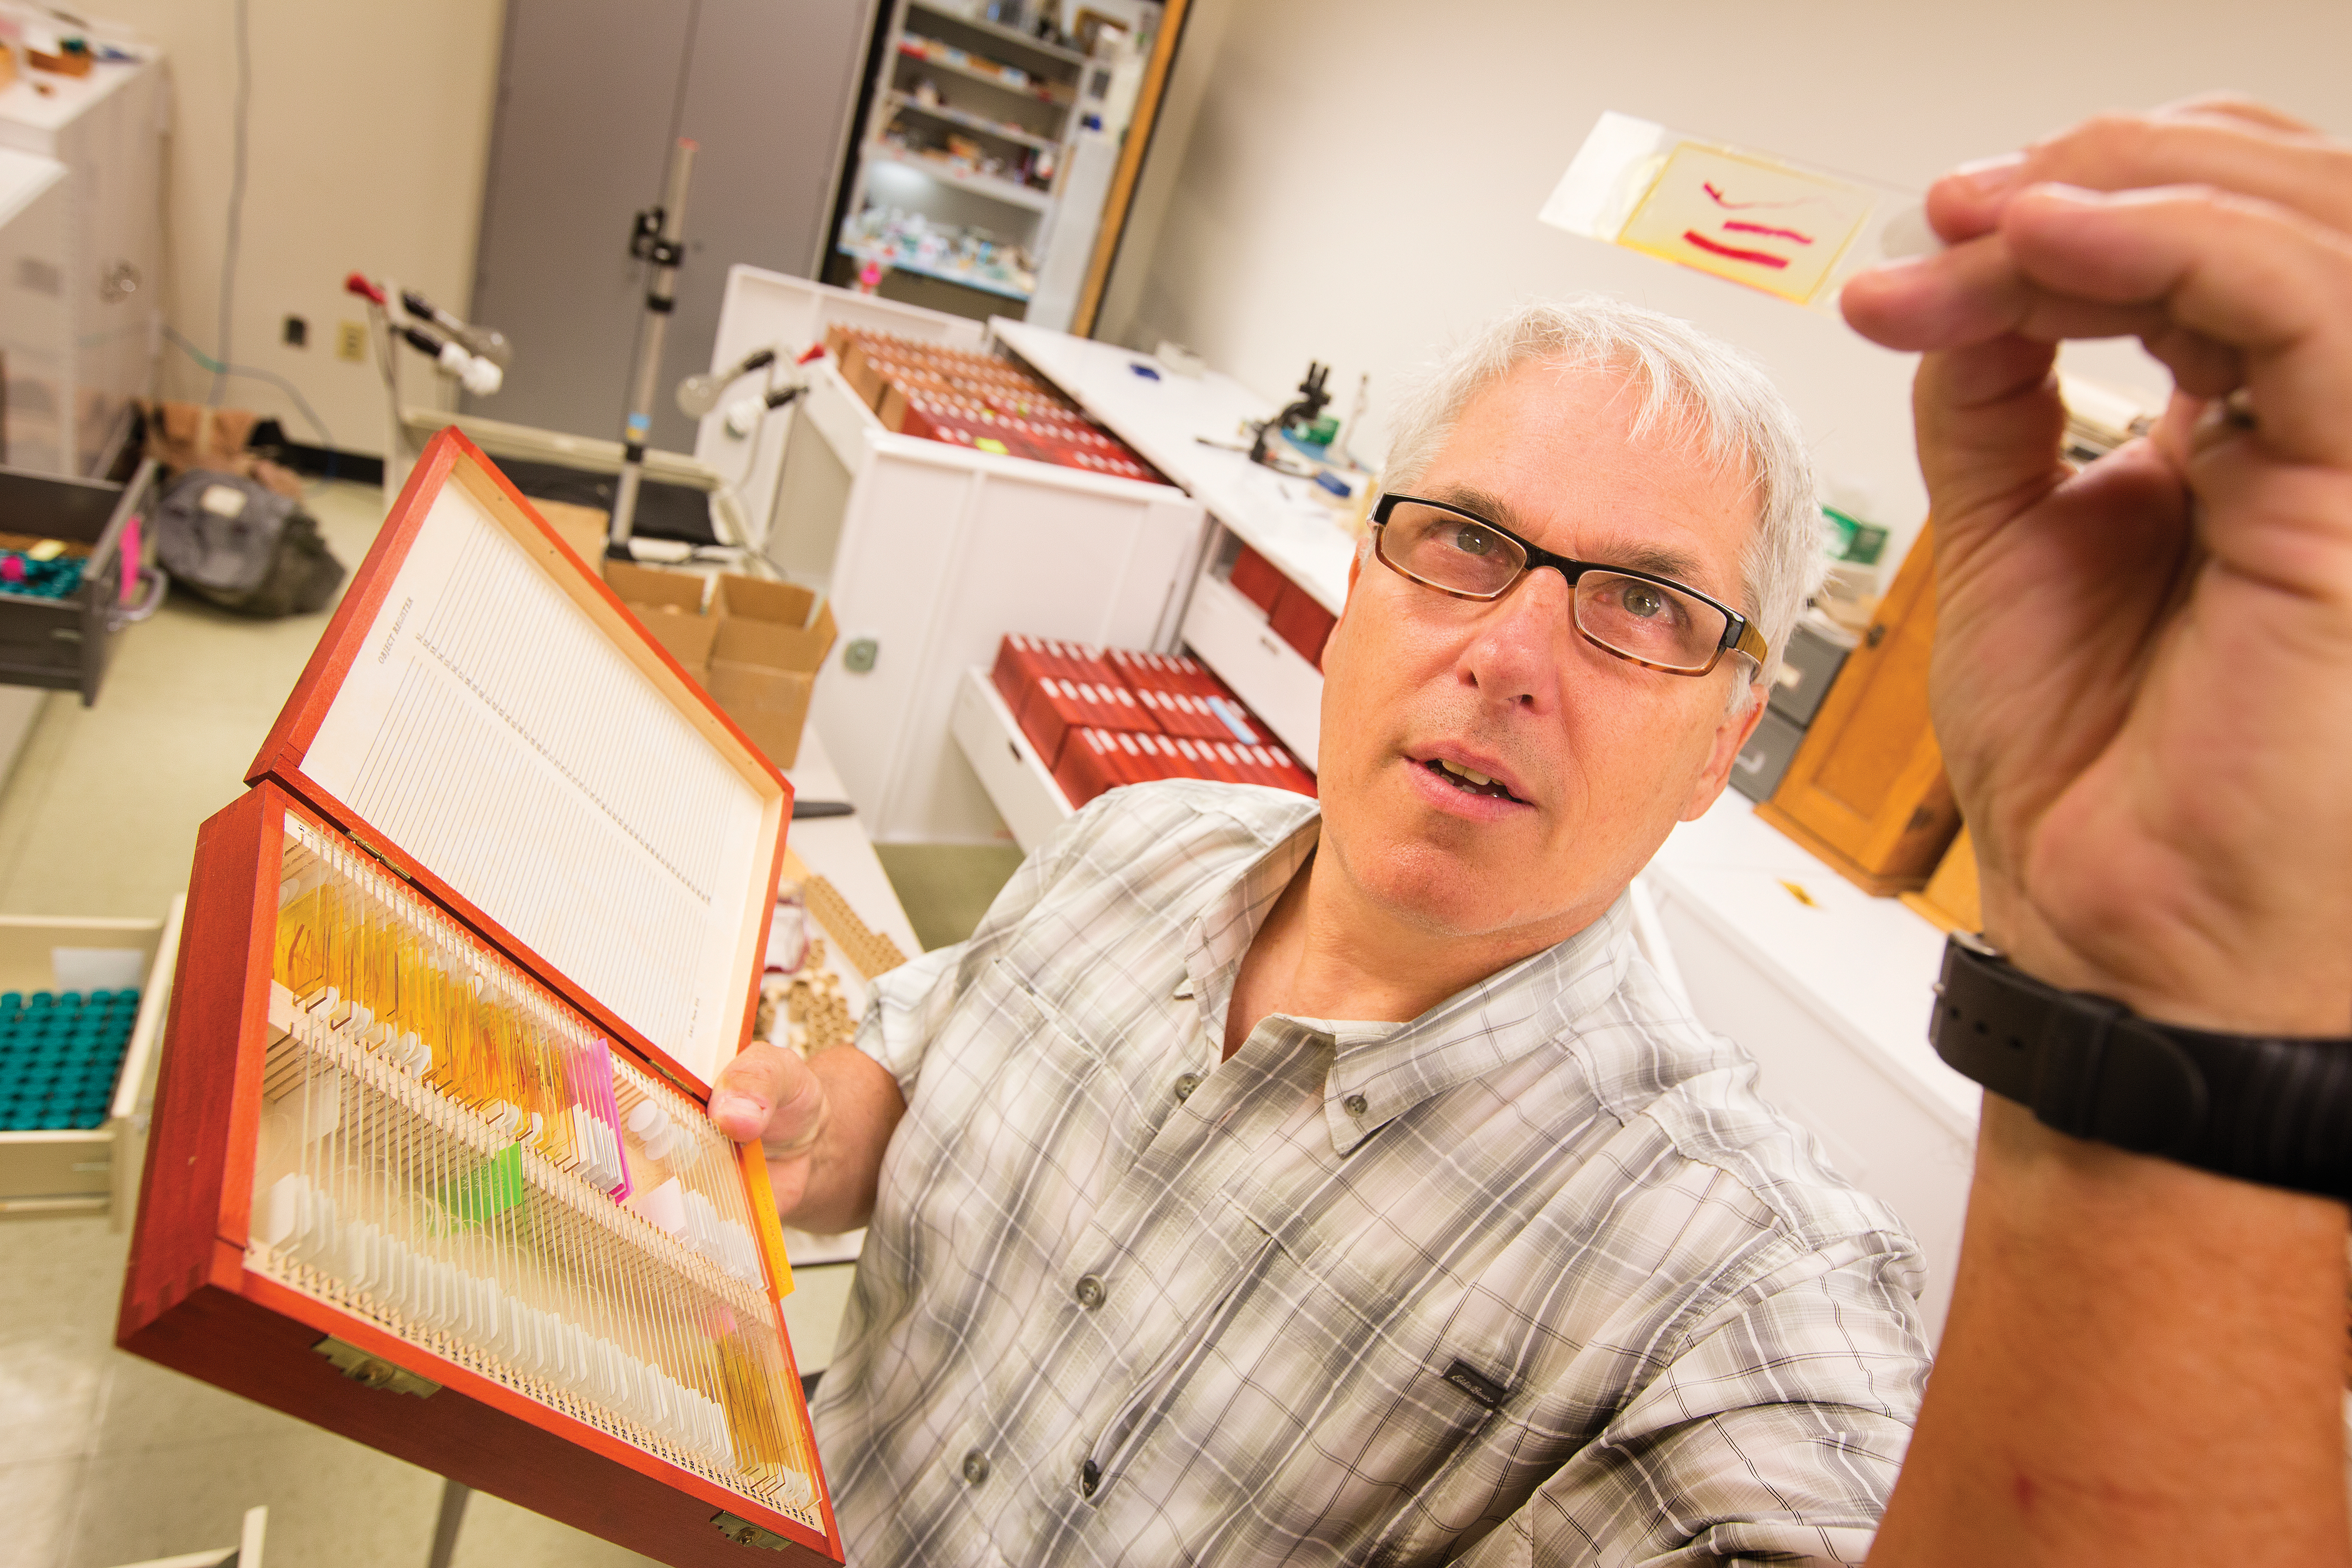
{"x":107,"y":1459}
{"x":946,"y":888}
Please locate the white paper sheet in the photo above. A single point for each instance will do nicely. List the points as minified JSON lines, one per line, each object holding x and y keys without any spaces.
{"x":489,"y":730}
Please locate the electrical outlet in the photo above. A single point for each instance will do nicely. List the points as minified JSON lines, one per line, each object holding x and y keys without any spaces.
{"x":295,"y":333}
{"x":351,"y":341}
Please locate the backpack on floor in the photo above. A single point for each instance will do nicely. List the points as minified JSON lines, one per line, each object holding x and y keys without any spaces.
{"x":240,"y":545}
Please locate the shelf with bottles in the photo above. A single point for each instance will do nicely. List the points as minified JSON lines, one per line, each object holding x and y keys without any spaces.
{"x":939,"y":55}
{"x":910,"y":242}
{"x":960,"y":171}
{"x":933,"y":107}
{"x":955,"y":18}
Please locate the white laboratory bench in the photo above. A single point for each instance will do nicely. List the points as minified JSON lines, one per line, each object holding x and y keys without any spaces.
{"x":1287,"y":521}
{"x":837,"y":849}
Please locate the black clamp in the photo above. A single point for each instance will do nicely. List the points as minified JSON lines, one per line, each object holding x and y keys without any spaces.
{"x":646,"y":244}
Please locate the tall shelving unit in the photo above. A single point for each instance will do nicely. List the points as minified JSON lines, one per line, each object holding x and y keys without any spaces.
{"x":962,"y":160}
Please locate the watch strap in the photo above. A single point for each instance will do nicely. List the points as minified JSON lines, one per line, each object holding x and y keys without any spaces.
{"x":2261,"y":1109}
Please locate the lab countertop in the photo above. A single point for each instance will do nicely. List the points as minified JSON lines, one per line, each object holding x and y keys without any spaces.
{"x":23,"y":103}
{"x":1285,"y":520}
{"x":837,"y":847}
{"x":1867,"y":967}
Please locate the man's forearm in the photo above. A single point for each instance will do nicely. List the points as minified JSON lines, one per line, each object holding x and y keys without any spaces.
{"x":2134,"y":1370}
{"x":836,"y":1179}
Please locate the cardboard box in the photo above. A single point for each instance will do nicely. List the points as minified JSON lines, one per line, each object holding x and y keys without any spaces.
{"x":670,"y":604}
{"x":772,"y":638}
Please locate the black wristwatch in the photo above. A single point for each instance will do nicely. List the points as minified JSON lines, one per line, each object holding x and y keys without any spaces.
{"x":2277,"y":1111}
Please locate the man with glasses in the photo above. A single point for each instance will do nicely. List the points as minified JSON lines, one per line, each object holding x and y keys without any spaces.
{"x":1271,"y":1181}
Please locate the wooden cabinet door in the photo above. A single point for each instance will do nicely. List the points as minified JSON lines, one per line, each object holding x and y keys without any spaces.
{"x":1866,"y":790}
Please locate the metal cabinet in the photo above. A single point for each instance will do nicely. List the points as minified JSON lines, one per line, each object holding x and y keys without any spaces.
{"x":590,"y":93}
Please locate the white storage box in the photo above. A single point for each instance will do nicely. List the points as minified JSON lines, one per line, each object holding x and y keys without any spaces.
{"x":89,"y":1169}
{"x":930,"y":555}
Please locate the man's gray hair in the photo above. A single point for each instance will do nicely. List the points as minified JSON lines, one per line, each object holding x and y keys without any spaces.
{"x":1696,"y":387}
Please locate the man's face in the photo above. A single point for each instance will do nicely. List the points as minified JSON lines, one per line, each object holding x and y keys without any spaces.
{"x":1600,"y":757}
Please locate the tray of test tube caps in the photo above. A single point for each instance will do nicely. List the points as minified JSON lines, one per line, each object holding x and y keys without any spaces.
{"x":60,"y":1054}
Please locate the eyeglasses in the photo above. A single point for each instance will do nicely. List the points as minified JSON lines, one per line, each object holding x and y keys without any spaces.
{"x":1652,"y":621}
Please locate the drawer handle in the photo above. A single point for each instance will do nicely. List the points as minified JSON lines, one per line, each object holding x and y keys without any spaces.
{"x":1013,"y":747}
{"x":1268,"y":643}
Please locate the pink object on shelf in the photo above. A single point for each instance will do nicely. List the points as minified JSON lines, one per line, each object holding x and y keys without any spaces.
{"x":132,"y":554}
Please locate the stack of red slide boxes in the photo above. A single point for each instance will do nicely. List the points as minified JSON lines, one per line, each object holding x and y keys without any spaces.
{"x":975,"y":400}
{"x":1291,"y":612}
{"x":1102,"y":717}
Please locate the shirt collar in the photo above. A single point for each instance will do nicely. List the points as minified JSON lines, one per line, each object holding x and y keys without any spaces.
{"x":1222,"y":935}
{"x":1390,"y":1067}
{"x":1379,"y":1071}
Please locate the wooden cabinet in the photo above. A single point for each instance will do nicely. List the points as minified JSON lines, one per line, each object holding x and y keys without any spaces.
{"x":1866,"y":791}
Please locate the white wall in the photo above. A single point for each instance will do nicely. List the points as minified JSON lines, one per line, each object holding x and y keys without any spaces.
{"x":1356,"y":181}
{"x":368,"y":138}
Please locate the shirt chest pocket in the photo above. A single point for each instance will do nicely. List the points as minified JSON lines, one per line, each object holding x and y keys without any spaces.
{"x":1010,"y":1101}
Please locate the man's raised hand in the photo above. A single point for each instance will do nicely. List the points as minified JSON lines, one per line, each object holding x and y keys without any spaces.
{"x":2143,"y":680}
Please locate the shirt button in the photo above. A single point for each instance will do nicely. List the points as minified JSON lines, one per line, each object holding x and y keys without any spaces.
{"x":975,"y":1467}
{"x":1355,"y":1105}
{"x":1089,"y":1478}
{"x":1187,"y":1084}
{"x":1089,"y":1293}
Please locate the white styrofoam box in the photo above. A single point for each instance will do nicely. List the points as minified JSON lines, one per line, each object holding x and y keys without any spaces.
{"x":1231,"y":634}
{"x":1831,"y":998}
{"x":941,"y":550}
{"x":94,"y":1170}
{"x":769,"y":309}
{"x":1025,"y":793}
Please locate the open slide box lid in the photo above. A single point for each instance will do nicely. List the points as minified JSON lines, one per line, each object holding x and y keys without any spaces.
{"x":488,"y":717}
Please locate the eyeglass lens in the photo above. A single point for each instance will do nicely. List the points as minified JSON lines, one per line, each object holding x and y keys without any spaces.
{"x":1644,"y":621}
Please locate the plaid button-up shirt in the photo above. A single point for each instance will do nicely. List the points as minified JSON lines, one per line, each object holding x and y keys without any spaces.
{"x":1535,"y":1278}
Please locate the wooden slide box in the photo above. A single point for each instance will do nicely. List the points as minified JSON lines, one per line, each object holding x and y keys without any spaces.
{"x":424,"y":1336}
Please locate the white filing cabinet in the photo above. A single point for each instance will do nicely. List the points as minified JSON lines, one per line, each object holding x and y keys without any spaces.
{"x":931,"y":552}
{"x":763,"y":310}
{"x":36,"y":333}
{"x":107,"y":129}
{"x":941,"y":552}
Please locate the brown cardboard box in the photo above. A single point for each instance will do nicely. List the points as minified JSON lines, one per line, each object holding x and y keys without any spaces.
{"x":773,"y":639}
{"x":670,"y":604}
{"x":583,"y":527}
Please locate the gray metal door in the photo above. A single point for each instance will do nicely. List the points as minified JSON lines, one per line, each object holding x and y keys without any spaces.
{"x":591,"y":94}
